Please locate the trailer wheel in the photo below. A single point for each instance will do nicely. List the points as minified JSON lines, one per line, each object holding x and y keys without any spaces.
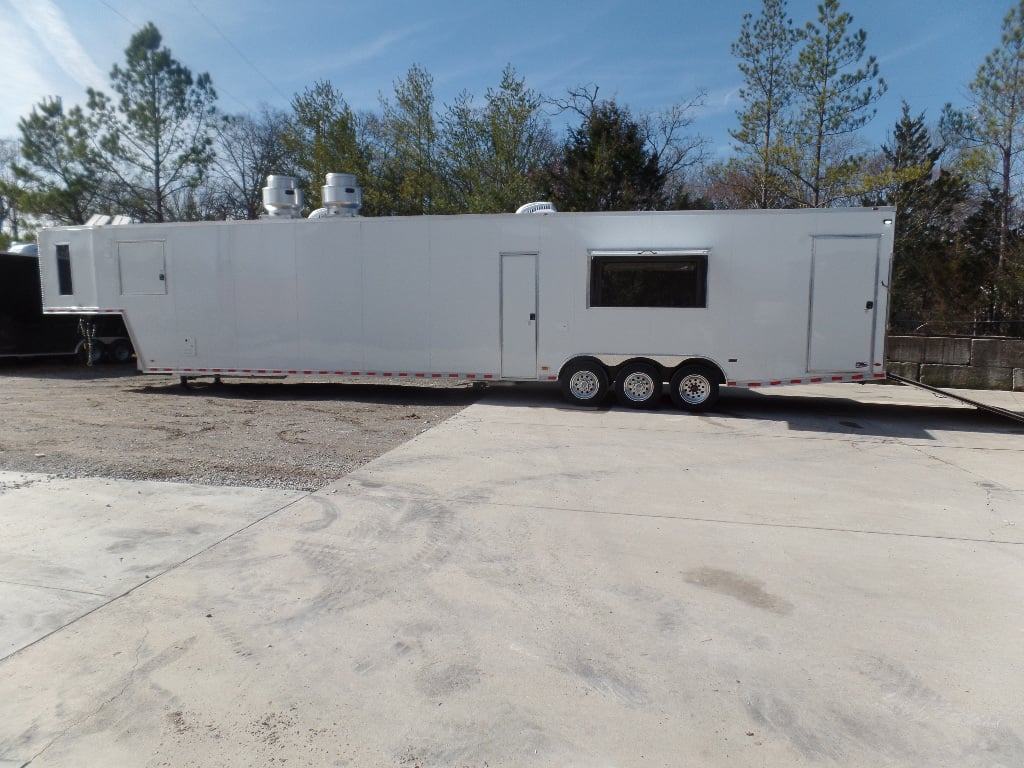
{"x":120,"y":351}
{"x":695,"y":387}
{"x":584,"y":382}
{"x":89,"y":353}
{"x":638,"y":385}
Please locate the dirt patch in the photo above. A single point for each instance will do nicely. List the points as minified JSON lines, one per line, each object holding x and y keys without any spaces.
{"x":111,"y":421}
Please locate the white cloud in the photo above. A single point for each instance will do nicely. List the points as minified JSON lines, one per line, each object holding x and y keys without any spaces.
{"x":373,"y":49}
{"x":722,"y":101}
{"x":28,"y":86}
{"x":52,"y":30}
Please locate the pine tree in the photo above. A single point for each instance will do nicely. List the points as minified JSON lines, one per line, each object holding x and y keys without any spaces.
{"x":607,"y":165}
{"x":833,"y":98}
{"x":409,"y":129}
{"x":59,"y":175}
{"x":493,"y":156}
{"x":765,"y":53}
{"x":155,"y":138}
{"x":995,"y":124}
{"x":927,"y":201}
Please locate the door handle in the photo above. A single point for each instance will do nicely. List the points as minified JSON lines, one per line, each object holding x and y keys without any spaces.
{"x":533,"y":316}
{"x":869,"y":305}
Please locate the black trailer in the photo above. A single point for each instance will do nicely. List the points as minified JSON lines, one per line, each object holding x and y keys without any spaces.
{"x":26,"y":332}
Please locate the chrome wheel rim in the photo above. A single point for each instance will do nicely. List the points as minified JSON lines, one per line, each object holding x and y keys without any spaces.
{"x":638,"y":387}
{"x":584,"y":385}
{"x":694,"y":389}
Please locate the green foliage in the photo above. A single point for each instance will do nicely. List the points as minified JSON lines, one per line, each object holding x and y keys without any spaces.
{"x":493,"y":158}
{"x":833,"y":96}
{"x":59,"y":175}
{"x":607,"y":165}
{"x":991,"y":132}
{"x":926,"y":263}
{"x":764,"y":50}
{"x":806,"y":94}
{"x":154,"y":135}
{"x":981,"y":288}
{"x":409,"y":170}
{"x":10,"y":192}
{"x":321,"y":138}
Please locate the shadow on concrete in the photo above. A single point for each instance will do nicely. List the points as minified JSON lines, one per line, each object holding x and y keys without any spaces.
{"x":855,"y":417}
{"x":461,"y":393}
{"x":800,"y":413}
{"x":803,"y":413}
{"x":64,"y":367}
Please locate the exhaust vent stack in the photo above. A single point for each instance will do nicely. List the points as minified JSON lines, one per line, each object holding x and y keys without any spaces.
{"x":341,"y":196}
{"x":282,"y":198}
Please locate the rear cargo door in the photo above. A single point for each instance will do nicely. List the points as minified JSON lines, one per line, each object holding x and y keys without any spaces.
{"x":844,"y":286}
{"x":519,"y":316}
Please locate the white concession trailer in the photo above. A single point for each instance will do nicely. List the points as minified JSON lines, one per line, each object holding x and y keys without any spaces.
{"x":595,"y":301}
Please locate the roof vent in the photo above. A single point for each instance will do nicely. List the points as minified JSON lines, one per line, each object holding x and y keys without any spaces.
{"x":540,"y":207}
{"x":341,"y":196}
{"x":281,"y":197}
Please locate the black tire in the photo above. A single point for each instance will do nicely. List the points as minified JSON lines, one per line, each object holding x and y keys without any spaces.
{"x":695,"y":387}
{"x":584,"y":382}
{"x":638,"y":385}
{"x":120,"y":351}
{"x":84,"y":351}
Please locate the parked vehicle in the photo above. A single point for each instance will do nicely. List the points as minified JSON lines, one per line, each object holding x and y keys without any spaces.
{"x":25,"y":331}
{"x":595,"y":301}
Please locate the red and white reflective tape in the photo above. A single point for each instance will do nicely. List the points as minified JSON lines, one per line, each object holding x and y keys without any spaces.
{"x":807,"y":380}
{"x":297,"y":372}
{"x":81,"y":311}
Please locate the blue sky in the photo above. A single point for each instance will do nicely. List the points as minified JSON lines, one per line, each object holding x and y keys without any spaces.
{"x":646,"y":53}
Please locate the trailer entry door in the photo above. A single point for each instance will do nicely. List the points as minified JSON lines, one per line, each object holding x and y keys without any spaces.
{"x":519,"y":316}
{"x":844,"y":286}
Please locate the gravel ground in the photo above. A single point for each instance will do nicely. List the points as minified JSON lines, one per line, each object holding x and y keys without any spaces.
{"x":111,"y":421}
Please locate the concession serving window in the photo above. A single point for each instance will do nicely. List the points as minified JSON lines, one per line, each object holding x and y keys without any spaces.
{"x":648,"y":278}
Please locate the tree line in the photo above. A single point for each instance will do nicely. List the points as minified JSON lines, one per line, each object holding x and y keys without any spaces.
{"x":157,"y":148}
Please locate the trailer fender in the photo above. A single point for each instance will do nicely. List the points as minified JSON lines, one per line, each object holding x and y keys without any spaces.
{"x":706,"y":363}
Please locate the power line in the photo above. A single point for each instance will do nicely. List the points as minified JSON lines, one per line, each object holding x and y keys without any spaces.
{"x":118,"y":13}
{"x":220,"y":89}
{"x":237,"y":50}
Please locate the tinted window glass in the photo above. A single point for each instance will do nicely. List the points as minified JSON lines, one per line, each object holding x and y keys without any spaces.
{"x":64,"y":270}
{"x":649,"y":281}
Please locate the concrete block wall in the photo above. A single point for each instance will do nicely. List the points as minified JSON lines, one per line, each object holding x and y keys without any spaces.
{"x":958,"y":362}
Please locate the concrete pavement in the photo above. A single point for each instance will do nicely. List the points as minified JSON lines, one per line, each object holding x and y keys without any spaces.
{"x":820,"y":576}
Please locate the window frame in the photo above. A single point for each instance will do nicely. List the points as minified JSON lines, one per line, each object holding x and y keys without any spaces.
{"x":65,"y":276}
{"x":700,"y":256}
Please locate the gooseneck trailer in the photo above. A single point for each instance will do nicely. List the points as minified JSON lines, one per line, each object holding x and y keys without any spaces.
{"x":595,"y":301}
{"x":25,"y":331}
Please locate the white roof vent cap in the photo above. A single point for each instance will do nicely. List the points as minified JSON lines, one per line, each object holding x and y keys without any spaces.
{"x":538,"y":207}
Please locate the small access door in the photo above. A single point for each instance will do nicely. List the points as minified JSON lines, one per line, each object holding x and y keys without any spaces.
{"x":844,"y":297}
{"x":519,"y":316}
{"x":142,"y":268}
